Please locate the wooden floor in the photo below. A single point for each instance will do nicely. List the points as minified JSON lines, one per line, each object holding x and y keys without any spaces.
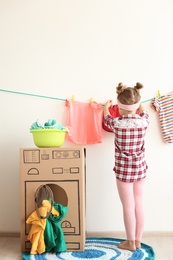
{"x":163,"y":247}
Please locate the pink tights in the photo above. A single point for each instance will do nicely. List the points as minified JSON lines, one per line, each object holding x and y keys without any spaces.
{"x":131,"y":196}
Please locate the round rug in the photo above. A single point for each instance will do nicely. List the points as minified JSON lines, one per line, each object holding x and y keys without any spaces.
{"x":98,"y":248}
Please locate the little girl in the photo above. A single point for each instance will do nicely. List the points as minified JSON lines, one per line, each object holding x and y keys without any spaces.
{"x":130,"y":165}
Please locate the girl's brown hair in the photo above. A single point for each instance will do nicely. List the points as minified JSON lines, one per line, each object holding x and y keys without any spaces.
{"x":128,"y":95}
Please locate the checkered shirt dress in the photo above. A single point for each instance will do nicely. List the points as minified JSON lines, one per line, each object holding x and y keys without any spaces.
{"x":129,"y":130}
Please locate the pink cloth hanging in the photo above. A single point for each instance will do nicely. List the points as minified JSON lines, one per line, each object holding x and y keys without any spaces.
{"x":85,"y":122}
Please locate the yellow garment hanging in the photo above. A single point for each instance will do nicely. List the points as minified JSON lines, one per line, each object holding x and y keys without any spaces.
{"x":36,"y":233}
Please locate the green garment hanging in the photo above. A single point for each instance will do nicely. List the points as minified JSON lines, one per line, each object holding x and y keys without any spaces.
{"x":53,"y":233}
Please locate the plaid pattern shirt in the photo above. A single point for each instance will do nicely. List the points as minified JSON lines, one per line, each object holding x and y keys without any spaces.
{"x":129,"y":130}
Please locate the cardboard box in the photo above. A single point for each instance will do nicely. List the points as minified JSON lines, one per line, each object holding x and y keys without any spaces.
{"x":63,"y":170}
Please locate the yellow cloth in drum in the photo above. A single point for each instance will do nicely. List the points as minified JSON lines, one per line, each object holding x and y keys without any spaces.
{"x":36,"y":233}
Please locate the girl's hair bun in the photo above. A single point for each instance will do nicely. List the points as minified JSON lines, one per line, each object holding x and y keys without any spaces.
{"x":138,"y":86}
{"x":120,"y":88}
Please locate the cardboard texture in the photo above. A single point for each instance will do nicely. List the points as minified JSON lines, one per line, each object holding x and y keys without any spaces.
{"x":63,"y":170}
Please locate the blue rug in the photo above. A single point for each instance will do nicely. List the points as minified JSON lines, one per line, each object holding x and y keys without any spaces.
{"x":98,"y":248}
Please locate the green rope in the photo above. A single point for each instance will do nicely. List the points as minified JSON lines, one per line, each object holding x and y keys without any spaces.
{"x":33,"y":95}
{"x":147,"y":100}
{"x":41,"y":96}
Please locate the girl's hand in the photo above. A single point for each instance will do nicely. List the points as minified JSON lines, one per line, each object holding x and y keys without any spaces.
{"x":106,"y":107}
{"x":141,"y":108}
{"x":108,"y":103}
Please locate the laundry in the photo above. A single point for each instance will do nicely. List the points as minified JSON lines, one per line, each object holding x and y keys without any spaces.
{"x":44,"y":228}
{"x":85,"y":122}
{"x":53,"y":234}
{"x":51,"y":123}
{"x":164,"y":106}
{"x":114,"y":112}
{"x":36,"y":233}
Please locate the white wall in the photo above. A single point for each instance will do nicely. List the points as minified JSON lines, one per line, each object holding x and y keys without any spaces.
{"x":85,"y":47}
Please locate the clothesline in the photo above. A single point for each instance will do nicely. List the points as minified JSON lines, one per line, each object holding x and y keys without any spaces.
{"x":30,"y":94}
{"x":48,"y":97}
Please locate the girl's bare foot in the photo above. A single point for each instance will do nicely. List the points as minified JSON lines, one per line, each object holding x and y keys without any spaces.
{"x":127,"y":245}
{"x":138,"y":244}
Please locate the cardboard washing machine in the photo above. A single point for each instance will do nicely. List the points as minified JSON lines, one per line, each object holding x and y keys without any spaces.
{"x":63,"y":170}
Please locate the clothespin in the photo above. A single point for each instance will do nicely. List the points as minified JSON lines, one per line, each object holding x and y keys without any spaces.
{"x":72,"y":98}
{"x":158,"y":94}
{"x":91,"y":100}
